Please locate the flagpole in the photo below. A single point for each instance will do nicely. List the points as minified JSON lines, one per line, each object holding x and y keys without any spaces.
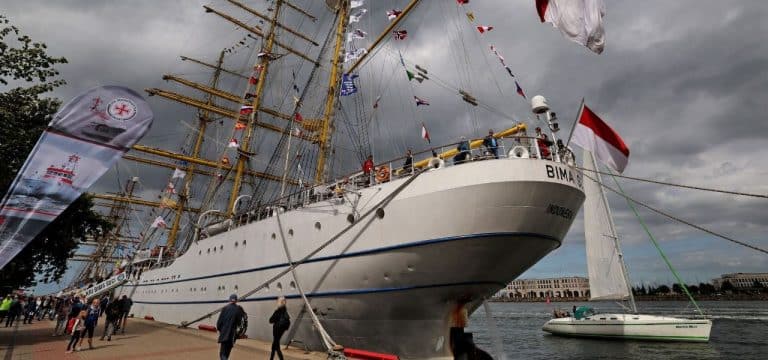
{"x":576,"y":122}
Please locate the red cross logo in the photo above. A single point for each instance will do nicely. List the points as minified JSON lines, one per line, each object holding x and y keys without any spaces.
{"x":122,"y":109}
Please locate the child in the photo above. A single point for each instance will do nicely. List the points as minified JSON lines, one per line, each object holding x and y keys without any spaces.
{"x":78,"y":328}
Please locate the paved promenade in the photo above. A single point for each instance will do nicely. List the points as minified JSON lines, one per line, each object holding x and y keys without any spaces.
{"x":142,"y":340}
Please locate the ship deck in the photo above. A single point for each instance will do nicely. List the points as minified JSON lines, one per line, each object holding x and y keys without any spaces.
{"x":143,"y":340}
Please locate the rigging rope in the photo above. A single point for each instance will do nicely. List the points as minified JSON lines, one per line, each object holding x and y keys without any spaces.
{"x":676,"y":185}
{"x":380,"y":205}
{"x":658,"y":248}
{"x":665,"y":214}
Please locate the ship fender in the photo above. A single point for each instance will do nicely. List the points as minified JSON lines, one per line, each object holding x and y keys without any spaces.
{"x":519,"y":152}
{"x":436,"y":163}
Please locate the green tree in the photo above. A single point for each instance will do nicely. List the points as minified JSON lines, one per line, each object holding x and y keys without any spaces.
{"x":24,"y":114}
{"x":726,"y":286}
{"x":663,"y":289}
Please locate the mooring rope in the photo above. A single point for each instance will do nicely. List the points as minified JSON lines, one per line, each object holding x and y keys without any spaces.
{"x":674,"y":184}
{"x":382,"y":204}
{"x":327,"y":340}
{"x":675,"y":218}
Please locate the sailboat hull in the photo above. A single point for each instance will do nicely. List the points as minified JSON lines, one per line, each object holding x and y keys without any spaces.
{"x":392,"y":282}
{"x":632,"y":327}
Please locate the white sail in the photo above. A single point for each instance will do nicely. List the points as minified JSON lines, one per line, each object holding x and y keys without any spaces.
{"x":607,"y":280}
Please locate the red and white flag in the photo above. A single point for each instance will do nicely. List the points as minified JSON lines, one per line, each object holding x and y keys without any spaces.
{"x":578,"y":20}
{"x":593,"y":134}
{"x":425,"y":133}
{"x":233,"y":143}
{"x":246,"y":110}
{"x":484,"y":29}
{"x":159,"y":222}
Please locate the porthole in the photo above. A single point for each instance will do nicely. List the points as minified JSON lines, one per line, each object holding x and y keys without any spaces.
{"x":235,"y":287}
{"x":200,"y":252}
{"x":351,"y":218}
{"x":380,"y":213}
{"x":221,"y":248}
{"x":318,"y":226}
{"x":214,"y":250}
{"x":280,"y":286}
{"x":274,"y":236}
{"x":209,"y":250}
{"x":244,"y":243}
{"x":236,"y":243}
{"x":290,"y":232}
{"x":293,"y":285}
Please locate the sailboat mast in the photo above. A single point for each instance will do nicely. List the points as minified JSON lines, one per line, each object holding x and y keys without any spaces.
{"x":330,"y":102}
{"x":202,"y":124}
{"x":245,"y":145}
{"x":615,"y":237}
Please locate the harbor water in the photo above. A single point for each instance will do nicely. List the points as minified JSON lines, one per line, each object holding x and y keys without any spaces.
{"x":739,"y":331}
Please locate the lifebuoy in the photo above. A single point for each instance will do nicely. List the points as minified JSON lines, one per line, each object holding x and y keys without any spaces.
{"x":519,"y":152}
{"x":382,"y":174}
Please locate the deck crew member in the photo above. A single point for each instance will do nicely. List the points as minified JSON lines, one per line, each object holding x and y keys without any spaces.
{"x":491,"y":144}
{"x":463,"y":149}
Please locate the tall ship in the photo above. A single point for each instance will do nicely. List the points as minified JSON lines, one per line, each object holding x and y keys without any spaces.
{"x":283,"y":199}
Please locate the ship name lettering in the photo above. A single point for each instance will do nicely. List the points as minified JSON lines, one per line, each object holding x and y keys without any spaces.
{"x":560,"y":211}
{"x":559,"y":173}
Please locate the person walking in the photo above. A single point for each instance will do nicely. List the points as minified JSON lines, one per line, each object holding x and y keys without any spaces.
{"x":114,"y":313}
{"x":78,"y":328}
{"x":125,"y":308}
{"x":29,"y":310}
{"x":5,"y":305}
{"x":230,"y":326}
{"x":280,"y":321}
{"x":91,"y":320}
{"x":14,"y":311}
{"x":62,"y":316}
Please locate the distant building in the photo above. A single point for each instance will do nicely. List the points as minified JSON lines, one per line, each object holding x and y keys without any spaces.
{"x":566,"y":287}
{"x":741,"y":280}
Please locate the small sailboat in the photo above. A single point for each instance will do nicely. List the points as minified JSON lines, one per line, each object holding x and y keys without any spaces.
{"x":609,"y":280}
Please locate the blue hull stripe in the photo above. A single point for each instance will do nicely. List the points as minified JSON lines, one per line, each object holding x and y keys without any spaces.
{"x":364,"y":253}
{"x":332,"y":293}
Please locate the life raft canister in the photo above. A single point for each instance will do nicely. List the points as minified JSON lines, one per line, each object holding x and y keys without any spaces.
{"x":382,"y":174}
{"x":436,"y":163}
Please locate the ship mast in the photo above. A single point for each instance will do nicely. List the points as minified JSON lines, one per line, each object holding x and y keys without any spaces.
{"x":201,"y":127}
{"x":330,"y":102}
{"x":106,"y":245}
{"x":253,"y":118}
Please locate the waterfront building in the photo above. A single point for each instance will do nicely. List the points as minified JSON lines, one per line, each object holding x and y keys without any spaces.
{"x":566,"y":287}
{"x":742,"y":280}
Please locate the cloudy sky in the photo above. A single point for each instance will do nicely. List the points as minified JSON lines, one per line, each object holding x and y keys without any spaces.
{"x":685,"y":83}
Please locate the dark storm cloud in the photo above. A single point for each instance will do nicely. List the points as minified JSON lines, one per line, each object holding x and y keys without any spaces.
{"x":683,"y":82}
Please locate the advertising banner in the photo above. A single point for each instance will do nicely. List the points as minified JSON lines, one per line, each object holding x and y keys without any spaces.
{"x":85,"y":138}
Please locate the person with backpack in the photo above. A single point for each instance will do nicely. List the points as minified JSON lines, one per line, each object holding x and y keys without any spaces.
{"x":76,"y":327}
{"x":280,"y":321}
{"x":91,"y":320}
{"x":231,"y":324}
{"x":125,"y":306}
{"x":113,"y":317}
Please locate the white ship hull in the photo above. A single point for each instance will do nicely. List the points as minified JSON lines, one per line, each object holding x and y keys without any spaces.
{"x":455,"y":235}
{"x":632,"y":327}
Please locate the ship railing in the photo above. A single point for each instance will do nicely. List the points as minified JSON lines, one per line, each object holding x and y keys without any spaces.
{"x":518,"y":147}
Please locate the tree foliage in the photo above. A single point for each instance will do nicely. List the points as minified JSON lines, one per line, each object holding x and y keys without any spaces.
{"x":24,"y":114}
